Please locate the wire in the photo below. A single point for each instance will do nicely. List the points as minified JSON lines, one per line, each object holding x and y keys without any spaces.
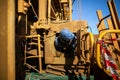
{"x":33,"y":9}
{"x":80,"y":6}
{"x":73,"y":2}
{"x":90,"y":28}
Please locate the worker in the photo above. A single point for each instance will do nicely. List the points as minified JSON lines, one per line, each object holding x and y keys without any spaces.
{"x":65,"y":42}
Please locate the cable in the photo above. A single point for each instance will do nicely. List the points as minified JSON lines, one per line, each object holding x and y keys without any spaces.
{"x":90,"y":28}
{"x":33,"y":9}
{"x":73,"y":2}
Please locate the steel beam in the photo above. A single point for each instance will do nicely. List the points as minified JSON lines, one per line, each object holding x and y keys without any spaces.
{"x":7,"y":40}
{"x":3,"y":40}
{"x":70,"y":10}
{"x":11,"y":39}
{"x":114,"y":15}
{"x":42,"y":10}
{"x":100,"y":18}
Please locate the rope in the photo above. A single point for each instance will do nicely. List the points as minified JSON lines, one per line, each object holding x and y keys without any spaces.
{"x":110,"y":64}
{"x":112,"y":39}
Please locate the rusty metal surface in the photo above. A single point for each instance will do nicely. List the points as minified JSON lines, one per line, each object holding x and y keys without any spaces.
{"x":50,"y":52}
{"x":73,"y":26}
{"x":42,"y":10}
{"x":3,"y":40}
{"x":10,"y":40}
{"x":54,"y":15}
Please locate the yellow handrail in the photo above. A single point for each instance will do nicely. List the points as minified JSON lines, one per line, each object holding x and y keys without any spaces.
{"x":39,"y":52}
{"x":91,"y":42}
{"x":98,"y":46}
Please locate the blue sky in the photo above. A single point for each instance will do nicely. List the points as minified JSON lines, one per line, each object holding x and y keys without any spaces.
{"x":88,"y":10}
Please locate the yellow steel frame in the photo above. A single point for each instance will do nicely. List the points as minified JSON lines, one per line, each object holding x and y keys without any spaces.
{"x":98,"y":47}
{"x":39,"y":53}
{"x":92,"y":42}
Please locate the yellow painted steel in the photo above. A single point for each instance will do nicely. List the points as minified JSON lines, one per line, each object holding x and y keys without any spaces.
{"x":92,"y":42}
{"x":98,"y":47}
{"x":39,"y":51}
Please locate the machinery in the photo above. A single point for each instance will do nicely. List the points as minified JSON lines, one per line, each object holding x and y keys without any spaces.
{"x":54,"y":44}
{"x":50,"y":45}
{"x":43,"y":35}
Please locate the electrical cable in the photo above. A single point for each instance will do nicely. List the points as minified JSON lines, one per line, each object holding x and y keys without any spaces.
{"x":90,"y":28}
{"x":73,"y":2}
{"x":33,"y":9}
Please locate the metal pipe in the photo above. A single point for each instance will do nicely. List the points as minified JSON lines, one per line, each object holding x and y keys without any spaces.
{"x":88,"y":46}
{"x":42,"y":10}
{"x":11,"y":39}
{"x":70,"y":9}
{"x":40,"y":55}
{"x":98,"y":45}
{"x":92,"y":43}
{"x":91,"y":39}
{"x":49,"y":10}
{"x":3,"y":40}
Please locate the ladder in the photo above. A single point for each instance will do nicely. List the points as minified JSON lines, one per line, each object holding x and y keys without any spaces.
{"x":30,"y":53}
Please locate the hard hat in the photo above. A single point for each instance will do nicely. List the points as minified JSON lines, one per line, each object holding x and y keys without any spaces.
{"x":66,"y":35}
